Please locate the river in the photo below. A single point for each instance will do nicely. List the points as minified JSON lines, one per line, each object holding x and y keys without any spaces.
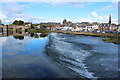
{"x":59,"y":56}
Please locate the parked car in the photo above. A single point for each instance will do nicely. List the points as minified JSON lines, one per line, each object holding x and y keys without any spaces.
{"x":116,"y":32}
{"x":94,"y":31}
{"x":98,"y":31}
{"x":107,"y":31}
{"x":103,"y":31}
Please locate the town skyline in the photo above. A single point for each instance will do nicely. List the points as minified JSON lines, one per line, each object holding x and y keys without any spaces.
{"x":58,"y":11}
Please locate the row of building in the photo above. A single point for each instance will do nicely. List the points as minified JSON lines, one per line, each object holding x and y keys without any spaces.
{"x":89,"y":27}
{"x":86,"y":26}
{"x":69,"y":26}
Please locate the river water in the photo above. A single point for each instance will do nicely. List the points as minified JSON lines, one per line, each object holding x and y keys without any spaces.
{"x":59,"y":56}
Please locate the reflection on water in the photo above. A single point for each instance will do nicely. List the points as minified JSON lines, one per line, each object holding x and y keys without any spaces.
{"x":35,"y":35}
{"x":19,"y":34}
{"x":19,"y":37}
{"x":58,"y":56}
{"x":25,"y":58}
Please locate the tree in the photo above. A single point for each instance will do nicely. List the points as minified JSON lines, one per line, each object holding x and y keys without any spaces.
{"x":15,"y":22}
{"x":43,"y":27}
{"x":20,"y":22}
{"x":69,"y":22}
{"x":31,"y":26}
{"x":0,"y":22}
{"x":19,"y":37}
{"x":49,"y":26}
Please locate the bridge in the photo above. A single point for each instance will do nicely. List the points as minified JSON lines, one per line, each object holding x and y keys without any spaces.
{"x":14,"y":29}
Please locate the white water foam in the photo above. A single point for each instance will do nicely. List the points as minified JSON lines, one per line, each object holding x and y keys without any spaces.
{"x":70,"y":52}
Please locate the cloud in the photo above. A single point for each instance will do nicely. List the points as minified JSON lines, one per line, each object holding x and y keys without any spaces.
{"x":105,"y":18}
{"x":95,"y":17}
{"x":112,"y":6}
{"x":52,"y":20}
{"x":84,"y":20}
{"x":94,"y":14}
{"x":12,"y":11}
{"x":2,"y":16}
{"x":114,"y":20}
{"x":16,"y":11}
{"x":98,"y":17}
{"x":67,"y":4}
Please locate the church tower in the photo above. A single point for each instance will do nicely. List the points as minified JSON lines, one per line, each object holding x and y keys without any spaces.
{"x":110,"y":19}
{"x":64,"y":21}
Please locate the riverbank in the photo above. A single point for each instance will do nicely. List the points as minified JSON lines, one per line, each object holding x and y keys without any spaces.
{"x":37,"y":31}
{"x":108,"y":37}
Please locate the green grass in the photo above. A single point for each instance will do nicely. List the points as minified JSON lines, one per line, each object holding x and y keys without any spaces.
{"x":116,"y":41}
{"x":37,"y":31}
{"x":14,"y":25}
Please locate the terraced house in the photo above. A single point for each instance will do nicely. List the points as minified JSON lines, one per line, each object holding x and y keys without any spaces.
{"x":104,"y":27}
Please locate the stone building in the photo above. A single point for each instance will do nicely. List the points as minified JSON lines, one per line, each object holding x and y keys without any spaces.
{"x":105,"y":26}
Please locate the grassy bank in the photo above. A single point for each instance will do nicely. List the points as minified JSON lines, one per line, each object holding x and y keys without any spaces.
{"x":114,"y":38}
{"x":116,"y":41}
{"x":37,"y":31}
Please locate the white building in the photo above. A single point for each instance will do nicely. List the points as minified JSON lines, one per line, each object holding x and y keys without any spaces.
{"x":95,"y":26}
{"x":65,"y":28}
{"x":75,"y":28}
{"x":89,"y":28}
{"x":118,"y":28}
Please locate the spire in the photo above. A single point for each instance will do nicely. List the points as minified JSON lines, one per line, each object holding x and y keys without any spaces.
{"x":110,"y":19}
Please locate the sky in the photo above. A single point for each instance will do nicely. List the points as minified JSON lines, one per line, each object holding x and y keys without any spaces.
{"x":37,"y":12}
